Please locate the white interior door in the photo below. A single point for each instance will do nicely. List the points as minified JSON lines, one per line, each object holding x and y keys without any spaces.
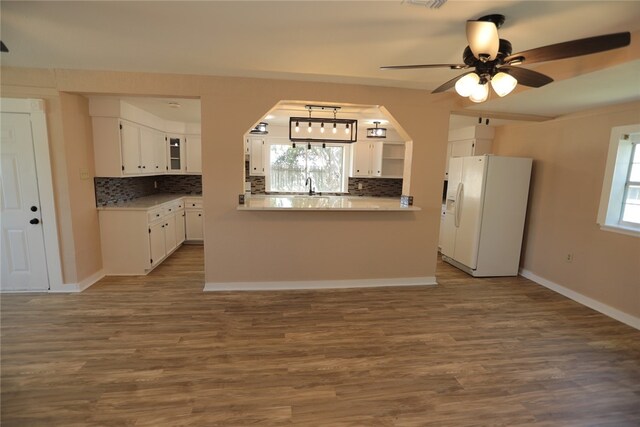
{"x":24,"y":266}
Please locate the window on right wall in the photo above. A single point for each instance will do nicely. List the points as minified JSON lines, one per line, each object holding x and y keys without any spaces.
{"x":620,"y":200}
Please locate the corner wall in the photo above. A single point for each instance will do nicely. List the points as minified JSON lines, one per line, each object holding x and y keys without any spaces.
{"x":569,"y":160}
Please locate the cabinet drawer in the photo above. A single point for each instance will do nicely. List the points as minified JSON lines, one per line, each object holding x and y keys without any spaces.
{"x":155,"y":215}
{"x":193,"y":204}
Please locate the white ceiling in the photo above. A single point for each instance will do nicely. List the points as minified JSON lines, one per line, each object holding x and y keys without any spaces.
{"x":335,"y":41}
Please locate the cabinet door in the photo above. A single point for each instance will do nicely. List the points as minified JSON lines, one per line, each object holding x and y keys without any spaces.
{"x":147,"y":150}
{"x":180,"y":227}
{"x":130,"y":143}
{"x":194,"y":154}
{"x":194,"y":225}
{"x":175,"y":153}
{"x":462,"y":148}
{"x":376,"y":158}
{"x":257,"y":157}
{"x":361,"y":158}
{"x":157,"y":243}
{"x":170,"y":237}
{"x":159,"y":152}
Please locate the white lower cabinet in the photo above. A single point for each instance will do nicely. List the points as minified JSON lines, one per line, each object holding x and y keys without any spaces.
{"x":134,"y":241}
{"x":157,"y":245}
{"x":194,"y":225}
{"x":194,"y":219}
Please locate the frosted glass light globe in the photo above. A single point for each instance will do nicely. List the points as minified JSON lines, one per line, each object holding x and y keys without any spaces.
{"x":465,"y":85}
{"x":503,"y":83}
{"x":480,"y":93}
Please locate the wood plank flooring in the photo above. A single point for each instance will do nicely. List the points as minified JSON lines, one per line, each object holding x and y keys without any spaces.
{"x":157,"y":351}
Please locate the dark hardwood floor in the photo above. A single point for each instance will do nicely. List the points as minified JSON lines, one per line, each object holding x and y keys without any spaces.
{"x":157,"y":351}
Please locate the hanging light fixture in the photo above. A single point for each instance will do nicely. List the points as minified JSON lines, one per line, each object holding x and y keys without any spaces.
{"x":350,"y":127}
{"x":376,"y":132}
{"x":260,"y":129}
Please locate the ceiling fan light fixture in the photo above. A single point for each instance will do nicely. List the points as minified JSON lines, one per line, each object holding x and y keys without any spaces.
{"x":466,"y":84}
{"x":483,"y":39}
{"x":480,"y":93}
{"x":503,"y":83}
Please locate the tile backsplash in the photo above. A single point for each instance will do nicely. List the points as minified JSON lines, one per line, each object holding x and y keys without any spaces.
{"x":113,"y":190}
{"x":371,"y":187}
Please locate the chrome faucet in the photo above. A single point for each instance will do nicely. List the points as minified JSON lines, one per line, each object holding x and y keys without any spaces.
{"x":309,"y":181}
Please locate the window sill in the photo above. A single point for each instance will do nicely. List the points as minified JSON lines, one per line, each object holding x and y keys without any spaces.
{"x":621,"y":230}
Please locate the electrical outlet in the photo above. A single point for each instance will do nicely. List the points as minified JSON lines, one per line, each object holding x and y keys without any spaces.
{"x":84,"y":174}
{"x":569,"y":257}
{"x":359,"y":186}
{"x":155,"y":184}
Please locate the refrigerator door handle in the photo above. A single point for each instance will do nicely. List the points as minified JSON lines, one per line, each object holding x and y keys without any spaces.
{"x":458,"y":201}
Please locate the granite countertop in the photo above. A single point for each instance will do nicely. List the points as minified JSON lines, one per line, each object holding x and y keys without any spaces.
{"x":147,"y":202}
{"x":323,"y":203}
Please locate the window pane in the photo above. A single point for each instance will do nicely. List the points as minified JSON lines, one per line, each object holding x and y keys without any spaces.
{"x":634,"y":175}
{"x":632,"y":205}
{"x":287,"y":168}
{"x":326,"y":168}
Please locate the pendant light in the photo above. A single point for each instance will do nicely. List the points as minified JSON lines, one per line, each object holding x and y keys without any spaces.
{"x":350,"y":126}
{"x":376,"y":132}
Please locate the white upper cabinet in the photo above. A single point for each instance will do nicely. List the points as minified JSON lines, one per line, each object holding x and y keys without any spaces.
{"x":367,"y":159}
{"x":175,"y":153}
{"x":468,"y":141}
{"x":257,"y":156}
{"x":129,"y":141}
{"x":194,"y":154}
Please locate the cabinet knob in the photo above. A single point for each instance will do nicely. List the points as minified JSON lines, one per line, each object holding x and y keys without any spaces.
{"x":157,"y":214}
{"x":169,"y":210}
{"x":199,"y":214}
{"x":34,"y":221}
{"x":144,"y":167}
{"x":34,"y":208}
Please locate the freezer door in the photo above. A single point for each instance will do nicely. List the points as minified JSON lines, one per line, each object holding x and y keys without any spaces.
{"x":469,"y":211}
{"x":449,"y":226}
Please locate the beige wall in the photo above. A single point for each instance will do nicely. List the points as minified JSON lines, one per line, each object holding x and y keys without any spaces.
{"x":267,"y":246}
{"x":78,"y":140}
{"x":569,"y":161}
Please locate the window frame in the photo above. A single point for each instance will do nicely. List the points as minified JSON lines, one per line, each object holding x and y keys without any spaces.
{"x":627,"y":183}
{"x":623,"y":142}
{"x":346,"y":162}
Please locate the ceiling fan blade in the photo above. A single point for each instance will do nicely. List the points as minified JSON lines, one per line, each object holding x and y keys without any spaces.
{"x":411,"y":67}
{"x":526,"y":77}
{"x":483,"y":39}
{"x":571,"y":48}
{"x":451,"y":83}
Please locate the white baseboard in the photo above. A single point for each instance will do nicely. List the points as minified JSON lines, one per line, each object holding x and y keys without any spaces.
{"x":605,"y":309}
{"x":318,"y":284}
{"x":80,"y":286}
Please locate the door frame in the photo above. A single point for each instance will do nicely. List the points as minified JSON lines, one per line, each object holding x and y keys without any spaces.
{"x":36,"y":110}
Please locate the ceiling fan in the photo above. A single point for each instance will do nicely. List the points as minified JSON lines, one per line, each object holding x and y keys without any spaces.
{"x":492,"y":60}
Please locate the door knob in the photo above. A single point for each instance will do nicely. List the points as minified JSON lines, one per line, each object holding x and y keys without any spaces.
{"x":34,"y":208}
{"x":34,"y":221}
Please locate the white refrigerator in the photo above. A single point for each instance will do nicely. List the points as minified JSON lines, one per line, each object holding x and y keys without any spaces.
{"x":485,"y":209}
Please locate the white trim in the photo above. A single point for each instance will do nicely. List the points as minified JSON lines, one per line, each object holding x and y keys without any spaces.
{"x":319,"y":284}
{"x":36,"y":110}
{"x":605,"y":309}
{"x":80,"y":286}
{"x":620,"y":229}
